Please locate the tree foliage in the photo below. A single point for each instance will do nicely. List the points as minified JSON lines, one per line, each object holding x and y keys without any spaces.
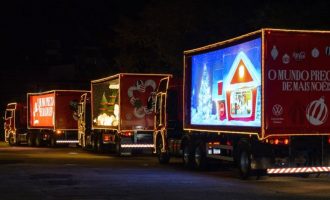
{"x":154,"y":40}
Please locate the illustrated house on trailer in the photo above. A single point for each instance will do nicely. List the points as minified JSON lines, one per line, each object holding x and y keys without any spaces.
{"x":242,"y":89}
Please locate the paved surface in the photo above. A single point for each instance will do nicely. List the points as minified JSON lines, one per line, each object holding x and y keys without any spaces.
{"x":71,"y":173}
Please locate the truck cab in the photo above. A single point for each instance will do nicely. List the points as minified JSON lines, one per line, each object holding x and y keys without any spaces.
{"x":15,"y":123}
{"x":84,"y":120}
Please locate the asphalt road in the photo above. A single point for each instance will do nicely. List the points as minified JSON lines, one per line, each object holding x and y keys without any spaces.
{"x":71,"y":173}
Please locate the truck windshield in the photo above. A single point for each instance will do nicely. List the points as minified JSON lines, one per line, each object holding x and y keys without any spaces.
{"x":163,"y":85}
{"x":8,"y":114}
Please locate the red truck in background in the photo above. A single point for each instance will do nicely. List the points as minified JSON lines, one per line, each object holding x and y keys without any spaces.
{"x":119,"y":113}
{"x":15,"y":122}
{"x":260,"y":100}
{"x":48,"y":118}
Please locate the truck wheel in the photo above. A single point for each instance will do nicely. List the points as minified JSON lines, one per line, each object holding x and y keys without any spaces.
{"x":37,"y":141}
{"x":99,"y":145}
{"x":52,"y":142}
{"x":30,"y":141}
{"x":187,"y":157}
{"x":244,"y":162}
{"x":200,"y":157}
{"x":118,"y":147}
{"x":11,"y":140}
{"x":163,"y":158}
{"x":94,"y":143}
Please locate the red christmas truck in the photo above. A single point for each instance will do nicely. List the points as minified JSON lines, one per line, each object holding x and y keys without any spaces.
{"x":48,"y":118}
{"x":260,"y":100}
{"x":119,"y":113}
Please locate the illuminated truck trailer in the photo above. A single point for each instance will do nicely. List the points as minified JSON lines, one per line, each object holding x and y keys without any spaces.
{"x":260,"y":100}
{"x":119,"y":113}
{"x":52,"y":117}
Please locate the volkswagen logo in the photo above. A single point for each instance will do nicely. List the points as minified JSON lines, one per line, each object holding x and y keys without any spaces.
{"x":277,"y":110}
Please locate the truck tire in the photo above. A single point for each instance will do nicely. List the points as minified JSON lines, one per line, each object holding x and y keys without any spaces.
{"x":99,"y":145}
{"x":200,"y":157}
{"x":188,"y":156}
{"x":52,"y":142}
{"x":94,"y":149}
{"x":30,"y":141}
{"x":118,"y":147}
{"x":244,"y":162}
{"x":163,"y":158}
{"x":11,"y":140}
{"x":37,"y":141}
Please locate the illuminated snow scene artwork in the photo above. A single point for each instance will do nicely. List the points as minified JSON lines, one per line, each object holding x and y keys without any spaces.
{"x":226,"y":86}
{"x":106,"y":106}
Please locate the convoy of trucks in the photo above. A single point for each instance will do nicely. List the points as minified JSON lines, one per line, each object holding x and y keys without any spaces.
{"x":259,"y":100}
{"x":119,"y":113}
{"x":48,"y":118}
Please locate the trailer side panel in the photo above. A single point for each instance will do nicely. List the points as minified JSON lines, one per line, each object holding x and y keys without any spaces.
{"x":297,"y":82}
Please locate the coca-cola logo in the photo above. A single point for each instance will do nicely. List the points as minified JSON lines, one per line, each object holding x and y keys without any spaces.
{"x":317,"y":112}
{"x":277,"y":110}
{"x":299,"y":56}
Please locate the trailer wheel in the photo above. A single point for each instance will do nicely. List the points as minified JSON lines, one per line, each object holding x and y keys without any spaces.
{"x":188,"y":156}
{"x":37,"y":141}
{"x":30,"y":141}
{"x":244,"y":162}
{"x":53,"y":142}
{"x":163,"y":158}
{"x":200,"y":157}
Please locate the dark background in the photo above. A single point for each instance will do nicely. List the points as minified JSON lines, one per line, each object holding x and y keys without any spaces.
{"x":64,"y":44}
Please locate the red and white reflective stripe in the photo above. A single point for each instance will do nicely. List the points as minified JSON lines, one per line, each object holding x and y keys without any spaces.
{"x":292,"y":170}
{"x":66,"y":141}
{"x":137,"y":146}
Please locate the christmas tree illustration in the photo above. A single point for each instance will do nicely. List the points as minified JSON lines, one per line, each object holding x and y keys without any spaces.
{"x":204,"y":98}
{"x":103,"y":104}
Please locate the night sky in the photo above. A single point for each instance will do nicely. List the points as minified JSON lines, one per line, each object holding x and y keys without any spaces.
{"x":64,"y":44}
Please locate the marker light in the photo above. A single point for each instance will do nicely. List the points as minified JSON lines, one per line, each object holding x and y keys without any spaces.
{"x":126,"y":134}
{"x":106,"y":138}
{"x":278,"y":141}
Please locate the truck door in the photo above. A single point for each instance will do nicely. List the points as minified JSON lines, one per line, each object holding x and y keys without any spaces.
{"x":160,"y":112}
{"x":9,"y":123}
